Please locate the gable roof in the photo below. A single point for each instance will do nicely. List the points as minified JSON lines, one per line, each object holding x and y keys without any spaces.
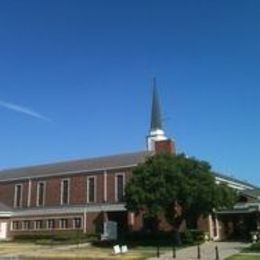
{"x":235,"y":180}
{"x":75,"y":166}
{"x":254,"y":193}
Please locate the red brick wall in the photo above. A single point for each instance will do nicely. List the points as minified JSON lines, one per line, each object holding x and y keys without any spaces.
{"x":78,"y":188}
{"x":203,"y":224}
{"x":165,"y":146}
{"x":100,"y":188}
{"x":7,"y":193}
{"x":52,"y":191}
{"x":92,"y":220}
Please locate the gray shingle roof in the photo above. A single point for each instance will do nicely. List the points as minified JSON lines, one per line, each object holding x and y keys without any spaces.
{"x":86,"y":165}
{"x":83,"y":165}
{"x":4,"y":207}
{"x":255,"y":193}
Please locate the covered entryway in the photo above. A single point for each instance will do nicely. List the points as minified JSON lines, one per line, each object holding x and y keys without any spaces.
{"x":239,"y":224}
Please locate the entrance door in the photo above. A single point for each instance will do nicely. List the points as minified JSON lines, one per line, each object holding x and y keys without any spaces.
{"x":3,"y":230}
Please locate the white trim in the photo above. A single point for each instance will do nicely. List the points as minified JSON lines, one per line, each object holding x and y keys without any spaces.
{"x":116,"y":185}
{"x":3,"y":230}
{"x":38,"y":193}
{"x":232,"y":184}
{"x":213,"y":219}
{"x":71,"y":209}
{"x":85,"y":222}
{"x":6,"y":214}
{"x":29,"y":194}
{"x":95,"y":188}
{"x":62,"y":190}
{"x":15,"y":195}
{"x":105,"y":186}
{"x":153,"y":137}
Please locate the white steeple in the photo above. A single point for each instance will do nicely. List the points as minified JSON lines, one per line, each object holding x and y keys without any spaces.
{"x":156,"y":131}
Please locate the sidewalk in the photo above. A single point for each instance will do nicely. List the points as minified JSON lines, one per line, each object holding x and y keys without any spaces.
{"x":207,"y":251}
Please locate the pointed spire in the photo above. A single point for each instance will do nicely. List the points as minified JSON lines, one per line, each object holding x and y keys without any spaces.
{"x":156,"y":121}
{"x":156,"y":131}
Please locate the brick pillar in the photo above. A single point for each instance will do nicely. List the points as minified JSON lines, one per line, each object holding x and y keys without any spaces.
{"x":130,"y":220}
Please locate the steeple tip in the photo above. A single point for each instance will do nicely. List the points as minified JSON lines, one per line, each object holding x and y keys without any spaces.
{"x":156,"y":131}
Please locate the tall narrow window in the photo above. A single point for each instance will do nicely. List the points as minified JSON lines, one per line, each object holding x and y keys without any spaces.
{"x":51,"y":223}
{"x":40,"y":194}
{"x":18,"y":195}
{"x":65,"y":191}
{"x":77,"y":223}
{"x":26,"y":225}
{"x":38,"y":224}
{"x":15,"y":225}
{"x":91,"y":189}
{"x":119,"y":187}
{"x":64,"y":223}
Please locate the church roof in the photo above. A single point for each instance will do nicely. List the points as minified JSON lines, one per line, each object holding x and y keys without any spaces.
{"x":75,"y":166}
{"x":254,"y":193}
{"x":4,"y":207}
{"x":89,"y":165}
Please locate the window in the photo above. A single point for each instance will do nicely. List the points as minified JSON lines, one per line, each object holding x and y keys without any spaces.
{"x":77,"y":223}
{"x":15,"y":225}
{"x":119,"y":187}
{"x":64,"y":223}
{"x":65,"y":192}
{"x":91,"y":189}
{"x":40,"y":194}
{"x":26,"y":225}
{"x":18,"y":195}
{"x":38,"y":224}
{"x":51,"y":223}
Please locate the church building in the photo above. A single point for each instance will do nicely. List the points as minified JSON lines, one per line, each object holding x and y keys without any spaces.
{"x":80,"y":195}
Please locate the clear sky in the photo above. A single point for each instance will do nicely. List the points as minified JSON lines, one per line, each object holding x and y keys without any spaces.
{"x":75,"y":79}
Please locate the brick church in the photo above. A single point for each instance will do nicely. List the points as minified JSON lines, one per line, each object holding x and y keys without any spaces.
{"x":82,"y":194}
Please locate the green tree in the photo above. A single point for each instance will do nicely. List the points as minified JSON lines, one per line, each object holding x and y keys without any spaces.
{"x":177,"y":187}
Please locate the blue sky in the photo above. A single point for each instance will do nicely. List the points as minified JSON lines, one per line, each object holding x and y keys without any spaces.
{"x":76,"y":79}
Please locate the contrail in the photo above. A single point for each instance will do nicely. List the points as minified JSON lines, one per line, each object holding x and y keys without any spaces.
{"x":23,"y":110}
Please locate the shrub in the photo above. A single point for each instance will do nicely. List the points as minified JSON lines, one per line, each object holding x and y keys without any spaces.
{"x":197,"y":235}
{"x":254,"y":247}
{"x":62,"y":238}
{"x":187,"y":237}
{"x":192,"y":236}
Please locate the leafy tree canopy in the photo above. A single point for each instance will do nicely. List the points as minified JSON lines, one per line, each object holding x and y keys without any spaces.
{"x":177,"y":186}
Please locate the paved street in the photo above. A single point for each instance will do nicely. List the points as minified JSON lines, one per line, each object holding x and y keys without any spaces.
{"x":207,"y":251}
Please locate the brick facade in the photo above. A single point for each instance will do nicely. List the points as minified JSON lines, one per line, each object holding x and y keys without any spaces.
{"x":32,"y":218}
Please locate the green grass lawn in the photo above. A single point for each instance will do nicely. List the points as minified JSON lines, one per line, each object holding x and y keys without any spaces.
{"x":29,"y":250}
{"x":244,"y":257}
